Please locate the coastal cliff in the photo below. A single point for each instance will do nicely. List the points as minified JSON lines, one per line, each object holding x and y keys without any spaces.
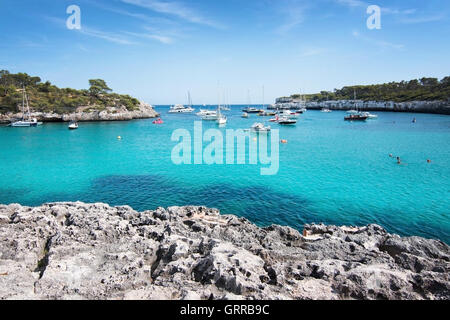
{"x":94,"y":251}
{"x":82,"y":114}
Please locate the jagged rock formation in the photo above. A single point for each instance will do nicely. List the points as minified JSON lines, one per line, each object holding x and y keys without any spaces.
{"x":145,"y":111}
{"x":94,"y":251}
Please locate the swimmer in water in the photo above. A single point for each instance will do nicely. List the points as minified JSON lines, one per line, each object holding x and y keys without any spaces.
{"x":391,"y":156}
{"x":399,"y":161}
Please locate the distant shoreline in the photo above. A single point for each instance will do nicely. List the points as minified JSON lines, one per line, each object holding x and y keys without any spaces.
{"x":430,"y":107}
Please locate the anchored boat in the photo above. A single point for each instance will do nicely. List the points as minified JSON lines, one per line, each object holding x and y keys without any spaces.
{"x":356,"y":117}
{"x":73,"y":125}
{"x":259,"y":127}
{"x":26,"y":120}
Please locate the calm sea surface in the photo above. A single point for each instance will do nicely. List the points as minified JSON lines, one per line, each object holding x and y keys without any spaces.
{"x":331,"y":171}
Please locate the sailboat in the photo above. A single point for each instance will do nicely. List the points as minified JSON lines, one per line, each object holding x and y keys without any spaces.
{"x":249,"y":109}
{"x":355,"y":115}
{"x":26,"y":121}
{"x":179,"y":108}
{"x":221,"y":119}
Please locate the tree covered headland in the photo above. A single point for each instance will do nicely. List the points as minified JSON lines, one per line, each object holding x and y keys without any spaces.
{"x":45,"y":97}
{"x":425,"y":89}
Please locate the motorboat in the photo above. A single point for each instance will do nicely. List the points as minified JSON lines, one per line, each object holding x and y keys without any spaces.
{"x":73,"y":125}
{"x":288,"y":114}
{"x":204,"y":112}
{"x":245,"y":115}
{"x":212,"y":116}
{"x":26,"y":120}
{"x":179,"y":108}
{"x":274,"y":119}
{"x":356,"y":117}
{"x":286,"y":121}
{"x":325,"y":110}
{"x":251,"y":110}
{"x":259,"y":127}
{"x":352,"y":112}
{"x":369,"y":115}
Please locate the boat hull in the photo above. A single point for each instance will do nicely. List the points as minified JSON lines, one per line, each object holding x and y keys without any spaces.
{"x":355,"y":119}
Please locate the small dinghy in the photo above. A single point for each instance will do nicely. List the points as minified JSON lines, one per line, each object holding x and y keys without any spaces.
{"x":159,"y":121}
{"x":73,"y":125}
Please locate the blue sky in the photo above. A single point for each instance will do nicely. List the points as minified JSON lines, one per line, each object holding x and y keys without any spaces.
{"x":157,"y":50}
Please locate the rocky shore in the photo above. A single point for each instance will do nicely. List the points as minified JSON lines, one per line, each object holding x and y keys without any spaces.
{"x":432,"y":107}
{"x":82,"y":114}
{"x":94,"y":251}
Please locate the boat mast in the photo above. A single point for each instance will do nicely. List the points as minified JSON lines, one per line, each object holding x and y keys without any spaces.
{"x":23,"y":102}
{"x":28,"y":106}
{"x":189,"y":100}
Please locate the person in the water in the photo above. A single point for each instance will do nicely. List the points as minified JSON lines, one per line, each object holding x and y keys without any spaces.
{"x":399,"y":161}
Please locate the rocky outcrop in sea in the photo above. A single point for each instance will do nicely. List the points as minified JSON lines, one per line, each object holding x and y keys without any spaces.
{"x":82,"y":114}
{"x":94,"y":251}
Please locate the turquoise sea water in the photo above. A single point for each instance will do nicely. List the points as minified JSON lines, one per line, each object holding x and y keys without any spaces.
{"x":331,"y":171}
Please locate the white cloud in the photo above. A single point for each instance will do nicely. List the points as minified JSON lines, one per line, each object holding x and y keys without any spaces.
{"x":294,"y":13}
{"x":352,"y":3}
{"x":423,"y":19}
{"x":111,"y":37}
{"x":310,"y":52}
{"x":379,"y":43}
{"x":176,"y":9}
{"x":152,"y":36}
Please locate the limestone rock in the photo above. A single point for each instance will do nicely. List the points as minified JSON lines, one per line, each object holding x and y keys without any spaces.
{"x":94,"y":251}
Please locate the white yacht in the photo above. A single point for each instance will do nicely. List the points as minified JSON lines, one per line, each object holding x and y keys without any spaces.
{"x":286,"y":121}
{"x":325,"y":110}
{"x":204,"y":112}
{"x":26,"y":121}
{"x":259,"y":127}
{"x":369,"y":115}
{"x":352,"y":112}
{"x":210,"y":116}
{"x":179,"y":108}
{"x":288,"y":114}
